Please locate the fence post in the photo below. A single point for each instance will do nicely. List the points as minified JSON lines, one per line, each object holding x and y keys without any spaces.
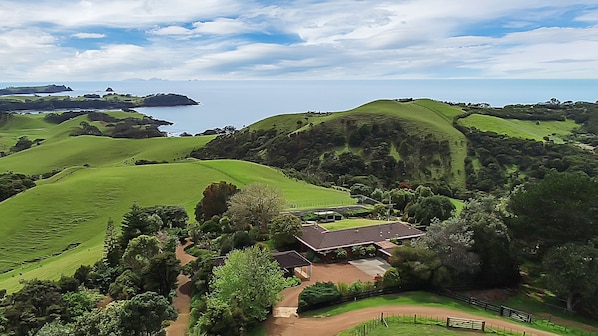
{"x":414,"y":318}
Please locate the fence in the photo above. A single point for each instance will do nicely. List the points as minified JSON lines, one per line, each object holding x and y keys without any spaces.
{"x":461,"y":323}
{"x":390,"y":321}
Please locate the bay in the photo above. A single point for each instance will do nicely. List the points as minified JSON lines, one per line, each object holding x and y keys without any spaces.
{"x":243,"y":102}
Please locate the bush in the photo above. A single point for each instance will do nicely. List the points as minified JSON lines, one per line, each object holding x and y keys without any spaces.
{"x":356,"y":287}
{"x":340,"y":254}
{"x":292,"y":282}
{"x":358,"y":251}
{"x":370,"y":251}
{"x":318,"y":295}
{"x":343,"y":288}
{"x":391,"y":278}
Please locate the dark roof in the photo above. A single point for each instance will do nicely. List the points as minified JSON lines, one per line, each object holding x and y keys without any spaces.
{"x":320,"y":239}
{"x":290,"y":259}
{"x":286,"y":260}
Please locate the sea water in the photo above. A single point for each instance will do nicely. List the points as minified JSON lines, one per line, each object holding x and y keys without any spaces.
{"x":241,"y":103}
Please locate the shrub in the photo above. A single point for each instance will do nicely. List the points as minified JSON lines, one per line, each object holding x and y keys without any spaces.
{"x":292,"y":282}
{"x":356,"y":287}
{"x":370,"y":251}
{"x":343,"y":288}
{"x":358,"y":251}
{"x":340,"y":253}
{"x":391,"y":278}
{"x":318,"y":295}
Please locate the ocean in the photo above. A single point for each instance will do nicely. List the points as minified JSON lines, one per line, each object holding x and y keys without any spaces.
{"x":241,"y":103}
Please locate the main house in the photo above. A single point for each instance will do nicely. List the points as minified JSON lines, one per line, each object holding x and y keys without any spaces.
{"x":322,"y":241}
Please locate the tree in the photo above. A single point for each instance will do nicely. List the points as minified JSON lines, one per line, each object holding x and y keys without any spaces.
{"x":283,"y":230}
{"x":452,"y":240}
{"x":38,"y":302}
{"x":492,"y":241}
{"x":144,"y":314}
{"x":221,"y":318}
{"x":427,"y":208}
{"x":125,"y":286}
{"x":112,"y":248}
{"x":101,"y":322}
{"x":160,"y":275}
{"x":215,"y":200}
{"x":171,"y":216}
{"x":571,"y":271}
{"x":401,"y":198}
{"x":55,"y":328}
{"x":560,"y":209}
{"x":418,"y":267}
{"x":22,"y":144}
{"x":255,"y":206}
{"x":139,"y":251}
{"x":137,"y":222}
{"x":253,"y":278}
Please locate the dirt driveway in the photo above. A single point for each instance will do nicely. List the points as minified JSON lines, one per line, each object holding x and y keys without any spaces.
{"x":323,"y":273}
{"x":330,"y":326}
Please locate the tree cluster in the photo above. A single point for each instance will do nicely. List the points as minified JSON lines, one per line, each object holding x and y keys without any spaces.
{"x":313,"y":151}
{"x":12,"y":184}
{"x":139,"y":271}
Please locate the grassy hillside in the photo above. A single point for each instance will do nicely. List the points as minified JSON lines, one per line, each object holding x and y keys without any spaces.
{"x":76,"y":204}
{"x":523,"y":129}
{"x":99,"y":152}
{"x":423,"y":140}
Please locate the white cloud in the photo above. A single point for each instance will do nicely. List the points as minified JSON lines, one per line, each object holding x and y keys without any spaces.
{"x":88,"y":35}
{"x":180,"y":39}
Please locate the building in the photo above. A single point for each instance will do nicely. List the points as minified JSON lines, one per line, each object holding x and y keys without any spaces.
{"x":321,"y":241}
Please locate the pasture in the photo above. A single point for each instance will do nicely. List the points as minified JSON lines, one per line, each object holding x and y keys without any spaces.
{"x":75,"y":205}
{"x":523,"y":129}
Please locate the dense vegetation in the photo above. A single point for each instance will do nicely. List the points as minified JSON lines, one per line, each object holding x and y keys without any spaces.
{"x":139,"y":271}
{"x":410,"y":155}
{"x":379,"y":144}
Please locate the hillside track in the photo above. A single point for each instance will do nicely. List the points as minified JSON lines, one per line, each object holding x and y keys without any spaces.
{"x":182,"y":299}
{"x":330,"y":326}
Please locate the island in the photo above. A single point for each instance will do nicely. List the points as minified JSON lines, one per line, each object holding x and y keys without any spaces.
{"x":105,"y":102}
{"x":16,"y":90}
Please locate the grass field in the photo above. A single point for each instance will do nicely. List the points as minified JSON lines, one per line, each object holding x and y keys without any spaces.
{"x":523,"y":129}
{"x":433,"y":300}
{"x":376,"y":328}
{"x":76,"y":204}
{"x":351,"y":223}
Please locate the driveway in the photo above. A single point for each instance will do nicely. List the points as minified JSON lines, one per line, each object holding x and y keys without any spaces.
{"x":371,"y":266}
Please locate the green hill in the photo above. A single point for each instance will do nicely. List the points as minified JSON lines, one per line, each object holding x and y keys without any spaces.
{"x":72,"y":208}
{"x":393,"y":141}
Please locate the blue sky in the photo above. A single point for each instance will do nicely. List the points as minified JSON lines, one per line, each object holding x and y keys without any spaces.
{"x":54,"y":40}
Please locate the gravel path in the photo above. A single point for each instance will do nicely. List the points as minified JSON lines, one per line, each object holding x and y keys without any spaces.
{"x":182,"y":299}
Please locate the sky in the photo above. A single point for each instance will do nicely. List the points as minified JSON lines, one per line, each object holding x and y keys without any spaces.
{"x":57,"y":40}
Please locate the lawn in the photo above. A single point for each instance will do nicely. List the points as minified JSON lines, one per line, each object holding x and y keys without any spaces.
{"x":351,"y":223}
{"x":77,"y":203}
{"x":408,"y":298}
{"x":524,"y":129}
